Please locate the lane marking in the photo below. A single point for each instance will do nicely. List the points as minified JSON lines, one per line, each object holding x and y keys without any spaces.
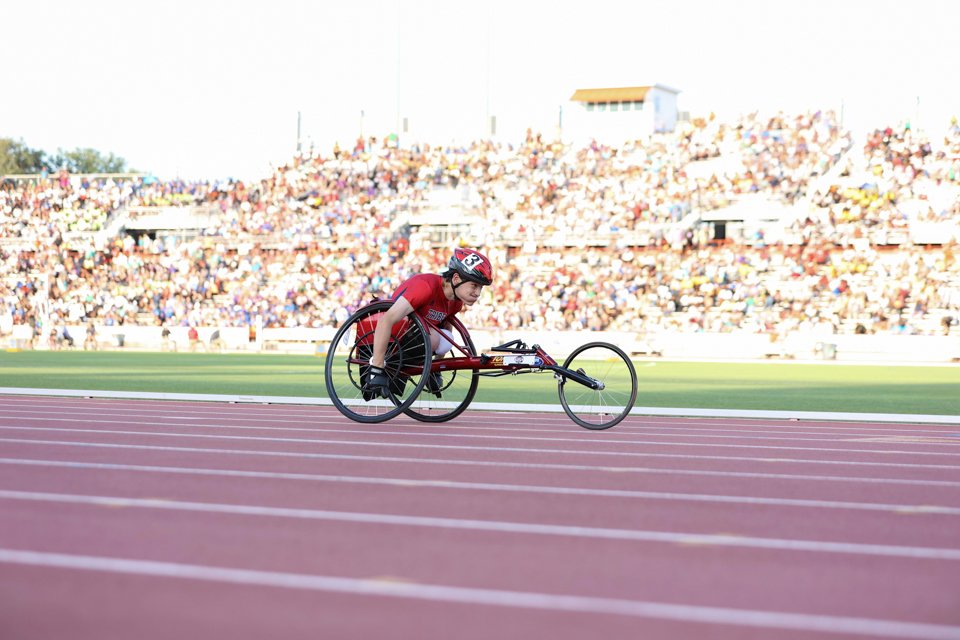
{"x":487,"y":463}
{"x":870,"y":627}
{"x":498,"y":526}
{"x":490,"y":486}
{"x":907,"y":439}
{"x":458,"y":431}
{"x":631,"y":425}
{"x":492,"y":406}
{"x":636,"y":454}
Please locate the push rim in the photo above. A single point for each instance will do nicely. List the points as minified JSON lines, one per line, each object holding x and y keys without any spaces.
{"x":348,"y":357}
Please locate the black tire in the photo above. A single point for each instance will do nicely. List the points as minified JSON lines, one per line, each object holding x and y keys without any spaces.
{"x":348,"y":357}
{"x":458,"y":388}
{"x":604,"y":408}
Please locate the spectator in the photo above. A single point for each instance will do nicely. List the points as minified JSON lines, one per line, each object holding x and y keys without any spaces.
{"x":216,"y":342}
{"x":63,"y":336}
{"x":167,"y":343}
{"x":90,"y":342}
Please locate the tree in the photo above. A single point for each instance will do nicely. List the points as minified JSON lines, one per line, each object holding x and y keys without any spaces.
{"x":87,"y":160}
{"x":17,"y":157}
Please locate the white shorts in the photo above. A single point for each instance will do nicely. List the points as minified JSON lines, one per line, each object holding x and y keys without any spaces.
{"x":441,"y":345}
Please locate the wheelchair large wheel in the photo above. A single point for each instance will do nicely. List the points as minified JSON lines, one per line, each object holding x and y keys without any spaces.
{"x":349,"y":357}
{"x":599,"y":408}
{"x":457,"y":387}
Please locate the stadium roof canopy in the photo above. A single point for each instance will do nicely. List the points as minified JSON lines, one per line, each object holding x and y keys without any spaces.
{"x":616,"y":94}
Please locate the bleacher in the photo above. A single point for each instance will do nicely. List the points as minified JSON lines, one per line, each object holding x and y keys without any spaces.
{"x":324,"y":234}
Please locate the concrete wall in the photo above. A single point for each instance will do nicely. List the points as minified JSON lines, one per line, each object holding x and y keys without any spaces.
{"x":747,"y":346}
{"x":692,"y":346}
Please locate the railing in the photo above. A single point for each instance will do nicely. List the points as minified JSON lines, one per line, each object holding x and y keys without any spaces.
{"x":625,"y":238}
{"x":37,"y":177}
{"x":171,"y":217}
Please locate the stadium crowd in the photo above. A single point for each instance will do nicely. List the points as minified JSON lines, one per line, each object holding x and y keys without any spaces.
{"x":40,"y":212}
{"x":323,"y":234}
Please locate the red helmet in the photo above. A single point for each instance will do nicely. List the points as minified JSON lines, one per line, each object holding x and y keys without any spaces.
{"x":471,"y":265}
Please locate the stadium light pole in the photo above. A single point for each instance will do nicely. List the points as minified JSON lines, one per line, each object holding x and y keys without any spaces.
{"x":916,"y":118}
{"x":489,"y":120}
{"x":397,"y":125}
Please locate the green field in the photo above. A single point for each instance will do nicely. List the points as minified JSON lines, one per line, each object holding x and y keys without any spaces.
{"x":769,"y":386}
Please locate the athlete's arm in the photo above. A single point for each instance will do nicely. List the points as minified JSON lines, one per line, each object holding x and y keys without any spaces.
{"x":381,"y":335}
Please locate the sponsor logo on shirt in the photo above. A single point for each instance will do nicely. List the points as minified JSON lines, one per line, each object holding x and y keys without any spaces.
{"x":435,"y":316}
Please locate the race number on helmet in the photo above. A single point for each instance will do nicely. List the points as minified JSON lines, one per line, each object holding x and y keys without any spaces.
{"x":472,"y":265}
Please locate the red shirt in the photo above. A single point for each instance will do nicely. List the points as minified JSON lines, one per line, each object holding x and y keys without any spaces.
{"x":425,"y":294}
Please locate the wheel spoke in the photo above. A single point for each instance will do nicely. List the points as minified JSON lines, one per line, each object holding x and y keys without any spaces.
{"x":347,"y":359}
{"x":457,"y":387}
{"x":599,"y":408}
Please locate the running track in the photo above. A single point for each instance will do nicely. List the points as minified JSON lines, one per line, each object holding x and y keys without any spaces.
{"x":161,"y":519}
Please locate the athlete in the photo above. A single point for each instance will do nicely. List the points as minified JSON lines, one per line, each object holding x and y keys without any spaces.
{"x":434,"y":298}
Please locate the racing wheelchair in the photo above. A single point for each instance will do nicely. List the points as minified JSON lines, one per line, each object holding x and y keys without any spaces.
{"x":597,"y":382}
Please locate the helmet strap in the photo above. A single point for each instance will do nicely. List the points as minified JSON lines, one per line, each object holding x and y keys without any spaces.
{"x":454,"y":286}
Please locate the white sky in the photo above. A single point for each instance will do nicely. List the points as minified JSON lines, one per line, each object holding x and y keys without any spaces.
{"x":204,"y":89}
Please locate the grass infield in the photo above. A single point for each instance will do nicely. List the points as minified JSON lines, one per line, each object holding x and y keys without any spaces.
{"x":770,"y":386}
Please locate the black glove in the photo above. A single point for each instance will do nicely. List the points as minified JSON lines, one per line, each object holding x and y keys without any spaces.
{"x":376,"y":384}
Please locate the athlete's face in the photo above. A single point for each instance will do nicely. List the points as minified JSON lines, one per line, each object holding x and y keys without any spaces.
{"x":469,"y":292}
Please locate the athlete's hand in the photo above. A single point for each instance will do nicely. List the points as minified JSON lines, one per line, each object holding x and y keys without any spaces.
{"x":376,"y":384}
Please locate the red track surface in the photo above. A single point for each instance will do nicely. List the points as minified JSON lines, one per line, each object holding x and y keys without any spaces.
{"x":140,"y":519}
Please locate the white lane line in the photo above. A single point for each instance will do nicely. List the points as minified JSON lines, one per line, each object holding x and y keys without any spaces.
{"x":870,"y":627}
{"x":631,"y":425}
{"x":496,"y":406}
{"x":492,"y":486}
{"x":459,"y":447}
{"x":488,"y":463}
{"x":458,"y":430}
{"x":278,"y":411}
{"x":498,"y":526}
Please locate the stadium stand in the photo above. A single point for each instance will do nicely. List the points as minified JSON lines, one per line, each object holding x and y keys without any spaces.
{"x":859,"y":237}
